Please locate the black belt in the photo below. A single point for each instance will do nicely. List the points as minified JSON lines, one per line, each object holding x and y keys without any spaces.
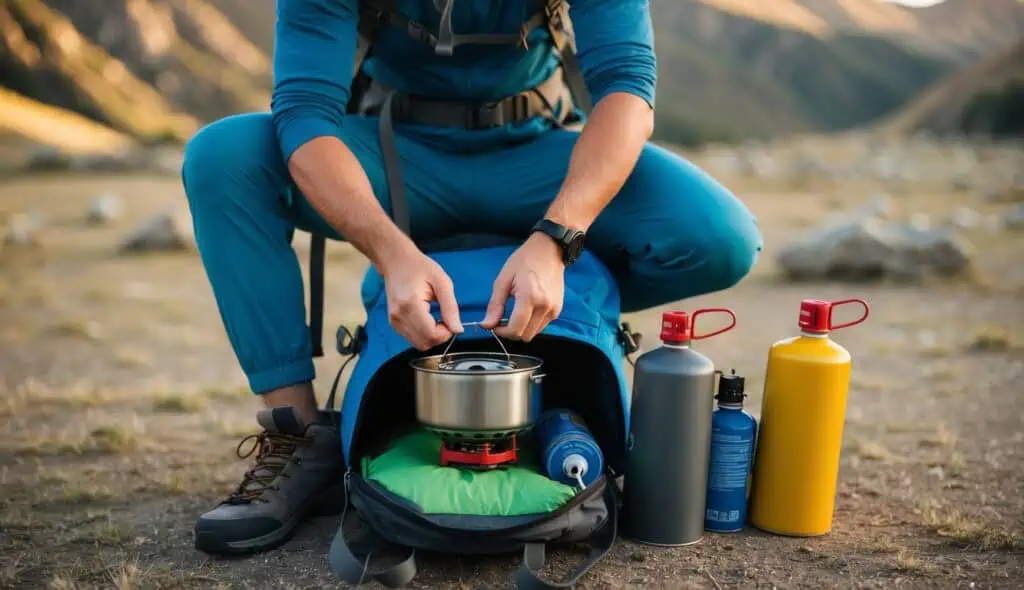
{"x":543,"y":100}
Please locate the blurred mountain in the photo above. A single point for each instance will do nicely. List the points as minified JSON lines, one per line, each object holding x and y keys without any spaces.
{"x":154,"y":69}
{"x":157,"y":69}
{"x":987,"y":99}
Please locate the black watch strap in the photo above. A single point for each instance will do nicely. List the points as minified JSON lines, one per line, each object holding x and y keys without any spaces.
{"x":558,"y":232}
{"x":569,"y":240}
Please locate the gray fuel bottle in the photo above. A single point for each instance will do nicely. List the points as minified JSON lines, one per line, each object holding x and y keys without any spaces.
{"x":670,"y":436}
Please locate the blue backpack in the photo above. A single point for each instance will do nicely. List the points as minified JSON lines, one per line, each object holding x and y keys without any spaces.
{"x":583,"y":352}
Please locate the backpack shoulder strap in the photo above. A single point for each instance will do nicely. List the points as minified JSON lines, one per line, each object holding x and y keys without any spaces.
{"x":564,"y":37}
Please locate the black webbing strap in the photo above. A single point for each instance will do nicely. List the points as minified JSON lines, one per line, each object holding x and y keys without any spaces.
{"x":538,"y":101}
{"x":527,"y":576}
{"x":392,"y":166}
{"x":355,"y":571}
{"x":317,"y":246}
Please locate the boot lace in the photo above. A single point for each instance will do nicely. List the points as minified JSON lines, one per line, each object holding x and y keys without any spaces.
{"x":274,"y":451}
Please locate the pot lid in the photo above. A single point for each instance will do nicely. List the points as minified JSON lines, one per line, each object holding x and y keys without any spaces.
{"x":477,"y":364}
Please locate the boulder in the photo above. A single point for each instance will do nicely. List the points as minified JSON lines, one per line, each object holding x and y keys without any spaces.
{"x":867,"y":247}
{"x":104,"y":209}
{"x":966,"y":218}
{"x":1014,"y":219}
{"x":22,"y":230}
{"x":170,"y":231}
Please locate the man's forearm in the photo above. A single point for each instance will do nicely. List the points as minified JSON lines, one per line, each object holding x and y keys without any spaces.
{"x":604,"y":157}
{"x":335,"y":185}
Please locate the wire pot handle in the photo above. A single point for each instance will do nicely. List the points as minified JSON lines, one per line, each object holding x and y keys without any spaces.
{"x":451,"y":341}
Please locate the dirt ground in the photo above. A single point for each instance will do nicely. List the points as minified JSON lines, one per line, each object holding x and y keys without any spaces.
{"x":122,"y":405}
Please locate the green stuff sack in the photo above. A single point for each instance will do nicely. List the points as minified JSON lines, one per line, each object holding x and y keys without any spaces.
{"x":410,"y":469}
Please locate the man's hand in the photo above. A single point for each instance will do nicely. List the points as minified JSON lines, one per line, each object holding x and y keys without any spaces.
{"x":412,"y":282}
{"x":535,"y":276}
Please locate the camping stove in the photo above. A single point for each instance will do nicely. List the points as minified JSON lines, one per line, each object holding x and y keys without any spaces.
{"x":478,"y":402}
{"x":477,"y":454}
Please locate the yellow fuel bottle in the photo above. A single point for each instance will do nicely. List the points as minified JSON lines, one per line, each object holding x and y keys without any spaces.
{"x":796,"y":462}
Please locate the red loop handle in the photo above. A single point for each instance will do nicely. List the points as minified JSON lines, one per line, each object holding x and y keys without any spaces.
{"x":693,"y":322}
{"x":836,"y":304}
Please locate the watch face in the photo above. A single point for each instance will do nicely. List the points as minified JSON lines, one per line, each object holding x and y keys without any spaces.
{"x":574,"y":247}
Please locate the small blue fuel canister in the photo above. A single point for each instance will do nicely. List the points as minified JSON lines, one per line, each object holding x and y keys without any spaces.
{"x":733,"y":432}
{"x":568,"y":452}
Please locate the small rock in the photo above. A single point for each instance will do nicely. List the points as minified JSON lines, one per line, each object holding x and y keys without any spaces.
{"x":937,"y":472}
{"x":1006,"y":194}
{"x":104,"y":209}
{"x":1014,"y":219}
{"x":48,"y":159}
{"x":962,"y":182}
{"x":993,"y":223}
{"x":23,"y":230}
{"x":966,"y":218}
{"x":165,"y":232}
{"x":920,"y":221}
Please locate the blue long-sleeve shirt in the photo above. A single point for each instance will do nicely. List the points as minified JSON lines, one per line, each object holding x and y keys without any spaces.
{"x":316,"y":40}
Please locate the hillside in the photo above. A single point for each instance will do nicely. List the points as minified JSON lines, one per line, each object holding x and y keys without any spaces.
{"x":986,"y":98}
{"x":157,"y":69}
{"x":732,"y":75}
{"x":980,"y":27}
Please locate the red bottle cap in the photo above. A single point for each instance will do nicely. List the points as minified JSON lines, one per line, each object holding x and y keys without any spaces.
{"x":678,"y":328}
{"x":816,"y":315}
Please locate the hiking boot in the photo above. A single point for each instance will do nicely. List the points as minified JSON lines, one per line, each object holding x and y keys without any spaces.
{"x":298,"y":468}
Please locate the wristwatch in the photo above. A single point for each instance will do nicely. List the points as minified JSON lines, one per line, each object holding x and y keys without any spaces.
{"x":569,"y":240}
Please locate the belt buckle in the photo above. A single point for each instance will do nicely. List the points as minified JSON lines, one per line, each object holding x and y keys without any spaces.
{"x":486,"y":116}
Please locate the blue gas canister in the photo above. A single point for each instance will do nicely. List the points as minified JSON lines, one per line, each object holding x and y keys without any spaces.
{"x":733,"y":432}
{"x":568,"y":452}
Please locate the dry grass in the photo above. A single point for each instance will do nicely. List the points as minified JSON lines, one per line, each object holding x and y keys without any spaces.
{"x":108,"y":440}
{"x":992,"y":338}
{"x":869,"y":450}
{"x":231,"y":429}
{"x":869,"y":382}
{"x":33,"y":394}
{"x":79,"y":329}
{"x":941,"y":437}
{"x":181,"y":404}
{"x":968,"y":532}
{"x":909,"y":563}
{"x":130,"y":357}
{"x":229,"y":394}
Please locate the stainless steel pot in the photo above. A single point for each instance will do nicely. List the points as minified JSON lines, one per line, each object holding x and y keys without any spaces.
{"x":477,"y":396}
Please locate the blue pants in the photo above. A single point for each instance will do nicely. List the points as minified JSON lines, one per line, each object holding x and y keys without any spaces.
{"x":672,"y":232}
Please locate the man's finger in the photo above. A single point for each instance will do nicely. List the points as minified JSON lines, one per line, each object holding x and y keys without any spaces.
{"x":496,"y":306}
{"x":444,"y":291}
{"x":518,"y":322}
{"x":537,"y":323}
{"x":425,"y":332}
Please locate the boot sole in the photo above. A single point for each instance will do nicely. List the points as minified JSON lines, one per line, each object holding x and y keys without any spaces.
{"x":211,"y":540}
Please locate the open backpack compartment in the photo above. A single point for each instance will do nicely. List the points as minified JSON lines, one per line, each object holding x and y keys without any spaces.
{"x":394,"y":481}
